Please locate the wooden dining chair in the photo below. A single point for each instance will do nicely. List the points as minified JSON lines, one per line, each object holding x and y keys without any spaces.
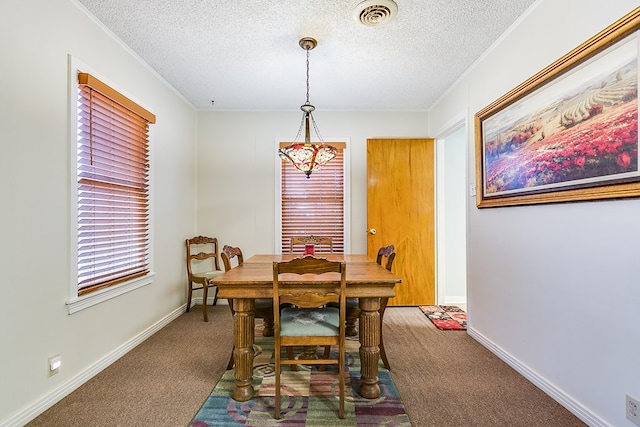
{"x":385,"y":254}
{"x":228,"y":254}
{"x":202,"y":266}
{"x":322,"y":244}
{"x":308,"y":321}
{"x":263,"y":307}
{"x":388,"y":254}
{"x":353,"y":304}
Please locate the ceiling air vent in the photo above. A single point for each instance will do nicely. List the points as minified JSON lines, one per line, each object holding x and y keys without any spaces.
{"x":373,"y":13}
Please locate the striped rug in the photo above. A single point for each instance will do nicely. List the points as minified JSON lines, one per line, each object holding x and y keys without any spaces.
{"x":309,"y":398}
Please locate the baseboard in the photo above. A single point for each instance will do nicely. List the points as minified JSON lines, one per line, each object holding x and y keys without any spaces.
{"x":555,"y":393}
{"x":453,"y":300}
{"x":32,"y":411}
{"x":198,"y":301}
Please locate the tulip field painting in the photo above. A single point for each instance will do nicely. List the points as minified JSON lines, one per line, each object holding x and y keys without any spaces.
{"x":578,"y":130}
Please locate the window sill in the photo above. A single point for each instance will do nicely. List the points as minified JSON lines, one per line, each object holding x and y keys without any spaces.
{"x":76,"y":304}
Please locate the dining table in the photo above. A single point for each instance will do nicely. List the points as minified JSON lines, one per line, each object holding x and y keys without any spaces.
{"x":366,"y":280}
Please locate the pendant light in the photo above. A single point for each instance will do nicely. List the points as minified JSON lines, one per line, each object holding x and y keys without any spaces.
{"x":307,"y":156}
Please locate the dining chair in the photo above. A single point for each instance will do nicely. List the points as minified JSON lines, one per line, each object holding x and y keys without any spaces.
{"x":202,"y":266}
{"x":308,"y":321}
{"x":387,"y":253}
{"x":263,"y":307}
{"x":323,"y":242}
{"x":353,"y":304}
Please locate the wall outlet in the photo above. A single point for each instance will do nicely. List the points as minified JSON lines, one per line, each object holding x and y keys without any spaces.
{"x":633,"y":410}
{"x":54,"y":362}
{"x":472,"y":189}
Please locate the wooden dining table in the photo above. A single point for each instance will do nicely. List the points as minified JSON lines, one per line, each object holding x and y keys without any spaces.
{"x":366,"y":280}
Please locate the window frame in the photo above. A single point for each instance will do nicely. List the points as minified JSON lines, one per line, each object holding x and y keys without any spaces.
{"x":346,"y":183}
{"x":75,"y":302}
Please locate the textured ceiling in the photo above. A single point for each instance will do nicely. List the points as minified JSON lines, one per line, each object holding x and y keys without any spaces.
{"x":244,"y":54}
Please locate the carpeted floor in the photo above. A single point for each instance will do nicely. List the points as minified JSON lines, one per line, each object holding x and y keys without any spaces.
{"x":444,"y":379}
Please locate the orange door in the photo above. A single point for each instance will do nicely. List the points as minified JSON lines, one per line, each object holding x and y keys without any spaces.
{"x":400,"y":211}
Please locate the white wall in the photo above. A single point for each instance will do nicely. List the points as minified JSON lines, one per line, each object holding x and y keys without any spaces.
{"x":236,"y":163}
{"x":553,"y":289}
{"x":36,"y":38}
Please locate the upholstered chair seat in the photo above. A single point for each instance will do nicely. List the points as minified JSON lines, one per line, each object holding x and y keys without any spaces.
{"x":296,"y":322}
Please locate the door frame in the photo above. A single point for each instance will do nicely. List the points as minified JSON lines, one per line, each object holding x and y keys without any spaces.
{"x":459,"y":122}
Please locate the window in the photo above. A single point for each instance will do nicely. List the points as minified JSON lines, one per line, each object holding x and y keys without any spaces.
{"x":112,"y":187}
{"x":314,"y":206}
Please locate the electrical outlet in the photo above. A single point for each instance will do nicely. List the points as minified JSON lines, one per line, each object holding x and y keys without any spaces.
{"x":472,"y":189}
{"x":633,"y":410}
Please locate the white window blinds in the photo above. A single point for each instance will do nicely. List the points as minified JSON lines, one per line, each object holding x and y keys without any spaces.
{"x":314,"y":206}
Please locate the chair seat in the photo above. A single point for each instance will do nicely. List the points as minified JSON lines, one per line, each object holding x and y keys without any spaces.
{"x":310,"y":322}
{"x":208,"y":274}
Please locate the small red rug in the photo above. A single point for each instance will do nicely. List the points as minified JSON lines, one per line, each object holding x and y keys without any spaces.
{"x":446,"y":317}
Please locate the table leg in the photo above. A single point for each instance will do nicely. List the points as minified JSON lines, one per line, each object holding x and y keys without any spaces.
{"x":369,"y":328}
{"x":243,"y":331}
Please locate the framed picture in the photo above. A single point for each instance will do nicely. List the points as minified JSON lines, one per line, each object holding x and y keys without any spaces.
{"x":570,"y":132}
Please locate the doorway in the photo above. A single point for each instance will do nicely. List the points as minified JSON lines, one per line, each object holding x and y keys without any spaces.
{"x":451,"y":216}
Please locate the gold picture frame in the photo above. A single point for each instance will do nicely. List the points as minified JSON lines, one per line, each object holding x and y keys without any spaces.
{"x":570,"y":132}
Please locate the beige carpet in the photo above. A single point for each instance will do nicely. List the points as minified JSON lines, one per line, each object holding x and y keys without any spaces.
{"x":445,"y":378}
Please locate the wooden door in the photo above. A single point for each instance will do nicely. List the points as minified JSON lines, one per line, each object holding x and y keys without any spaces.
{"x":400,"y":208}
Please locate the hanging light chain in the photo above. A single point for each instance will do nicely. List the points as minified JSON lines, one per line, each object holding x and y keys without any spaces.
{"x":297,"y":138}
{"x":313,"y":121}
{"x":308,"y":53}
{"x":315,"y":127}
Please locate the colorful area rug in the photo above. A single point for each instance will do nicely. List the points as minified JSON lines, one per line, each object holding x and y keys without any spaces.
{"x":446,"y":317}
{"x":311,"y":396}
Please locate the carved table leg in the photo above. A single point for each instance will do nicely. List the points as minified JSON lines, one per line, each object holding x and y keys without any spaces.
{"x":352,"y":317}
{"x":369,"y":351}
{"x":267,"y":330}
{"x":243,"y":330}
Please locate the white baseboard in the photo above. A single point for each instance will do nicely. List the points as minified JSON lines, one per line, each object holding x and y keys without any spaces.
{"x":453,"y":300}
{"x":555,"y":393}
{"x":198,"y":301}
{"x":47,"y":401}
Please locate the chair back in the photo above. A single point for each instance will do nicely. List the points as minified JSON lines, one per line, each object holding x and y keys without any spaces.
{"x":202,"y":257}
{"x":202,"y":266}
{"x":310,"y":298}
{"x":228,"y":253}
{"x":388,"y":253}
{"x":322,"y":244}
{"x":306,"y":318}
